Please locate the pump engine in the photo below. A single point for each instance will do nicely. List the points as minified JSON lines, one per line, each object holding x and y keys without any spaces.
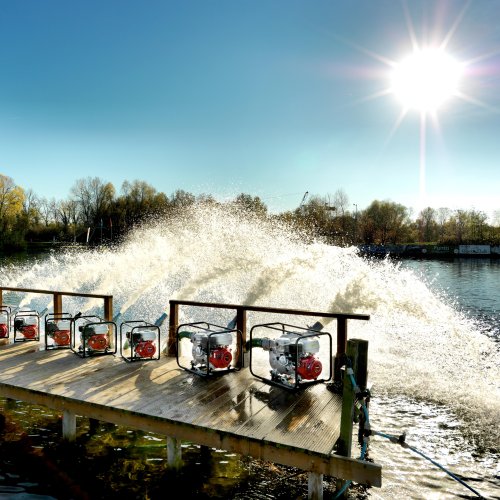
{"x":4,"y":324}
{"x":292,"y":354}
{"x":94,"y":337}
{"x":59,"y":332}
{"x":215,"y":349}
{"x":212,"y":347}
{"x":26,"y":323}
{"x":143,"y":342}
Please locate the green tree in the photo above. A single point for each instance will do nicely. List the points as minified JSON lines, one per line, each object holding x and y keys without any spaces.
{"x":384,"y":222}
{"x":427,"y":225}
{"x":252,"y":204}
{"x":138,"y":201}
{"x":182,"y":199}
{"x":13,"y":222}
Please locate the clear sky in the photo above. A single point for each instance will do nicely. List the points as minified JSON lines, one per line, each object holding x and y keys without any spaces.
{"x":268,"y":97}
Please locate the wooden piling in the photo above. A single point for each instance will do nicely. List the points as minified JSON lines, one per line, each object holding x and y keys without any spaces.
{"x":314,"y":486}
{"x":174,"y":452}
{"x":69,"y":425}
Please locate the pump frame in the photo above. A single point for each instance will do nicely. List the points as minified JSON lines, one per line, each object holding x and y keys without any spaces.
{"x":27,"y":314}
{"x":53,"y":318}
{"x":8,"y":311}
{"x":82,"y":350}
{"x":137,"y":328}
{"x":237,"y":361}
{"x":284,"y":328}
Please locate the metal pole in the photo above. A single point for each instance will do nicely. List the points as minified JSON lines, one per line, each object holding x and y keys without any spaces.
{"x":356,"y":223}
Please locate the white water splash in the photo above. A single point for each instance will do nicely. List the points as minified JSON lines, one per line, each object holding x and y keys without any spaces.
{"x":420,"y":346}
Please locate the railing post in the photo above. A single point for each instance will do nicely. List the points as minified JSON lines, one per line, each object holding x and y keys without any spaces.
{"x":108,"y":308}
{"x":173,"y":323}
{"x":57,"y":303}
{"x":241,"y":325}
{"x":1,"y":296}
{"x":341,"y":347}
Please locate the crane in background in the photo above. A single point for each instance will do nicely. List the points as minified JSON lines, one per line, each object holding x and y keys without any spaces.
{"x":306,"y":194}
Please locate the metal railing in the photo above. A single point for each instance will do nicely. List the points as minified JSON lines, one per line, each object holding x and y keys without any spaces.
{"x":57,"y":297}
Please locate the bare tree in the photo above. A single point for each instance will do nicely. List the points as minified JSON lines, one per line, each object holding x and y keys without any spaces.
{"x":48,"y":210}
{"x":30,"y":206}
{"x":94,"y":198}
{"x":340,"y":201}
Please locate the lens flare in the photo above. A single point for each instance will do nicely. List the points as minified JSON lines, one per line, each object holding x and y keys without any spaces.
{"x":425,"y":80}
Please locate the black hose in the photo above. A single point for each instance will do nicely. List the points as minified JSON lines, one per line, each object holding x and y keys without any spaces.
{"x":401,"y":441}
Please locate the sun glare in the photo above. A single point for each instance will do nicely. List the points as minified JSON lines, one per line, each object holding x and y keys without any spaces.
{"x":425,"y":80}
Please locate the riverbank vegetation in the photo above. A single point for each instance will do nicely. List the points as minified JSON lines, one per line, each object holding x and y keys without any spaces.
{"x":96,"y":213}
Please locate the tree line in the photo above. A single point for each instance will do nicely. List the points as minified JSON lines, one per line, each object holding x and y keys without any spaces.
{"x":96,"y":213}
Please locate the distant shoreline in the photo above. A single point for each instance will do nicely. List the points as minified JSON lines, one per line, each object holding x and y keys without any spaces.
{"x":410,"y":251}
{"x":427,"y":251}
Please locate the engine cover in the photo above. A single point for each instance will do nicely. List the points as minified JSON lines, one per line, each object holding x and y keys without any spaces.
{"x":98,"y":342}
{"x":220,"y":357}
{"x":145,"y":349}
{"x":61,"y":337}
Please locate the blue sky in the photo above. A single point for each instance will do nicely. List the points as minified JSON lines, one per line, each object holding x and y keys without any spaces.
{"x":268,"y":97}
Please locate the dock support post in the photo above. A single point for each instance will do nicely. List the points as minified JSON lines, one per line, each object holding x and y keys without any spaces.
{"x":69,"y":425}
{"x":315,"y":486}
{"x":174,"y":452}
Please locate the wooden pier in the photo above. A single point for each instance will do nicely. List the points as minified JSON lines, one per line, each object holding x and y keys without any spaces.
{"x":236,"y":411}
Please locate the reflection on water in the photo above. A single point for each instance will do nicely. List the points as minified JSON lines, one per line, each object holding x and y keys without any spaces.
{"x":109,"y":461}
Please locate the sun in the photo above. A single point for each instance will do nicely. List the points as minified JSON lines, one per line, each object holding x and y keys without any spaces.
{"x":426,"y":80}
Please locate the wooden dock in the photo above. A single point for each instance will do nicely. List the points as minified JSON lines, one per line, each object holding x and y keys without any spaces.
{"x":236,"y":411}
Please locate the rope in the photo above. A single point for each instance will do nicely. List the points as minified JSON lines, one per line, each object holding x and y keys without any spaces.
{"x":401,"y":441}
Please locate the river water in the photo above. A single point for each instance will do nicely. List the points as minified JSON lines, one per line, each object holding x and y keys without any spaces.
{"x":434,"y":361}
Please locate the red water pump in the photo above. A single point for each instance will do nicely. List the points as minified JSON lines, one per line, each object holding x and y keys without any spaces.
{"x":140,"y":340}
{"x":212,"y":347}
{"x":293,"y":355}
{"x":96,"y":336}
{"x":57,"y":330}
{"x":5,"y":312}
{"x":27,"y":324}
